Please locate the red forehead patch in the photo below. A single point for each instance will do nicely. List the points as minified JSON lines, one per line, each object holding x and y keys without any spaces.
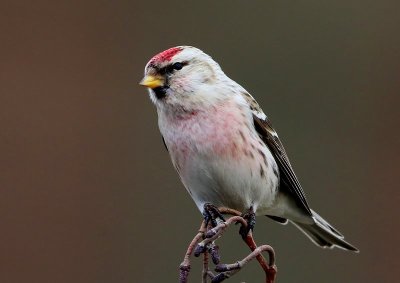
{"x":165,"y":55}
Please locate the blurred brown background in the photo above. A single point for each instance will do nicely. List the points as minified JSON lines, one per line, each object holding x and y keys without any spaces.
{"x":87,"y":191}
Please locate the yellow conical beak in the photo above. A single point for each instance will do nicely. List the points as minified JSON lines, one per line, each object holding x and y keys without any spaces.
{"x":152,"y":81}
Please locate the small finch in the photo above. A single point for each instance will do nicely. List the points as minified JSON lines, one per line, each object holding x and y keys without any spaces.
{"x":224,"y":147}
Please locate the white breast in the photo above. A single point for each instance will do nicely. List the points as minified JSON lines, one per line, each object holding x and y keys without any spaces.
{"x":220,"y":157}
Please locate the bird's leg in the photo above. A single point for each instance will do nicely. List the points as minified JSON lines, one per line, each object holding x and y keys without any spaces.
{"x":211,"y":213}
{"x":250,"y":218}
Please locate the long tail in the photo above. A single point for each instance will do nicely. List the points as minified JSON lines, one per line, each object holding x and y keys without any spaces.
{"x":323,"y":234}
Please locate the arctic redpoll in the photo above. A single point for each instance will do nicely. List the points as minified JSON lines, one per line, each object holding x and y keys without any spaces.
{"x":224,"y":147}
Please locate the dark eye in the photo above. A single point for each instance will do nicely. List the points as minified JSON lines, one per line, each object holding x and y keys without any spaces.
{"x":177,"y":66}
{"x":171,"y":68}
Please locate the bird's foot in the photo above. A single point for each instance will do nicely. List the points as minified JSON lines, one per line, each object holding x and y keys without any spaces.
{"x":250,"y":218}
{"x":211,"y":213}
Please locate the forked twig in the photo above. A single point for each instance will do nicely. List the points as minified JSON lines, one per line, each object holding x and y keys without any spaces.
{"x":204,"y":242}
{"x":185,"y":265}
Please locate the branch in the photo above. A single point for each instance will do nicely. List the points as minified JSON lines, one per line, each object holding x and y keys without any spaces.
{"x":204,"y":243}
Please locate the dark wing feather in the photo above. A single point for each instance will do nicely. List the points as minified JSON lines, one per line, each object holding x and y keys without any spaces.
{"x":288,"y":180}
{"x":287,"y":177}
{"x":163,"y":140}
{"x":281,"y":220}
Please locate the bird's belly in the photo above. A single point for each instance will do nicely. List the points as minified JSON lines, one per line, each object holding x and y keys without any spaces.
{"x":237,"y":184}
{"x":221,"y":159}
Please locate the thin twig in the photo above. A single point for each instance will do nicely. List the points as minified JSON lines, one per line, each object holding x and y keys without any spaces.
{"x":227,"y":270}
{"x":216,"y":232}
{"x":269,"y":269}
{"x":184,"y":267}
{"x":204,"y":242}
{"x":205,"y":268}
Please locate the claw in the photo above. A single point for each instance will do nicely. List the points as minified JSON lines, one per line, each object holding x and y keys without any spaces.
{"x":211,"y":213}
{"x":250,"y":218}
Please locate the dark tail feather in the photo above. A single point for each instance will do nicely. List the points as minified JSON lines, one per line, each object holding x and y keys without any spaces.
{"x":323,"y":234}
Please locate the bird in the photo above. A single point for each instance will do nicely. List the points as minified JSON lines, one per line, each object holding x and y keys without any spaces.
{"x":224,"y":147}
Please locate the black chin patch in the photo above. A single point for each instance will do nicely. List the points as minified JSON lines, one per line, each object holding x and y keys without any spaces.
{"x":160,"y":92}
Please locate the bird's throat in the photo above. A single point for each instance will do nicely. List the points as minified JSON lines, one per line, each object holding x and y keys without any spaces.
{"x":160,"y":92}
